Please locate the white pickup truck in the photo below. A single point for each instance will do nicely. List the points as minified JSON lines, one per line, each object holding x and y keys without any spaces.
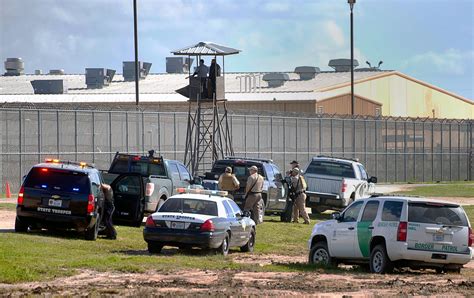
{"x":334,"y":182}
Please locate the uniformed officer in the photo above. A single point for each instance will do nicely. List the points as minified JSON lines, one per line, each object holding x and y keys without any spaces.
{"x":299,"y":206}
{"x":228,"y":181}
{"x":293,"y":164}
{"x":109,"y":211}
{"x":253,"y":195}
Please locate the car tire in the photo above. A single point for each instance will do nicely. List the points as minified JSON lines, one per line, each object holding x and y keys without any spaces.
{"x":249,"y":246}
{"x":319,"y":255}
{"x":224,"y":248}
{"x":20,"y":226}
{"x":379,"y":260}
{"x":92,"y":232}
{"x":154,"y":247}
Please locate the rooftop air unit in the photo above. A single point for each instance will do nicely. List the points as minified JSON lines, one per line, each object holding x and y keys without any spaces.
{"x":307,"y":72}
{"x":14,"y":67}
{"x":129,"y":70}
{"x":97,"y":78}
{"x":56,"y":71}
{"x":276,"y":79}
{"x":341,"y":65}
{"x":49,"y":86}
{"x":178,"y":64}
{"x":38,"y":72}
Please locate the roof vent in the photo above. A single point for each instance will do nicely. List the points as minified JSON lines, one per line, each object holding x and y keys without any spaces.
{"x":97,"y":78}
{"x":178,"y":64}
{"x":38,"y":72}
{"x":341,"y":65}
{"x":49,"y":86}
{"x":129,"y":70}
{"x":14,"y":67}
{"x":307,"y":72}
{"x":56,"y":71}
{"x":275,"y":79}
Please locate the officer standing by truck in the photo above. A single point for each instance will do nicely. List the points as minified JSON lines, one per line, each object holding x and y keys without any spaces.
{"x":299,"y":206}
{"x":253,"y":195}
{"x":109,"y":208}
{"x":228,"y":181}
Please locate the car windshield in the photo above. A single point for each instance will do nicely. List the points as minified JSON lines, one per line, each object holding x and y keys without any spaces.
{"x":144,"y":167}
{"x":339,"y":169}
{"x":58,"y":180}
{"x":195,"y":206}
{"x":437,"y":213}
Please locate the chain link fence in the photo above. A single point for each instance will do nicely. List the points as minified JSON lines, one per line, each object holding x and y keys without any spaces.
{"x":393,"y":149}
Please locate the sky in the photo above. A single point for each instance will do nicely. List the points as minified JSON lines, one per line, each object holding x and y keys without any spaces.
{"x":430,"y":40}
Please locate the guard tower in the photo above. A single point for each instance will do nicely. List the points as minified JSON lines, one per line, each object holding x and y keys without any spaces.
{"x":208,"y":135}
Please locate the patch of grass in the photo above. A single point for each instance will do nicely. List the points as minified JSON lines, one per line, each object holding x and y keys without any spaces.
{"x":42,"y":255}
{"x":8,"y":206}
{"x":442,"y":190}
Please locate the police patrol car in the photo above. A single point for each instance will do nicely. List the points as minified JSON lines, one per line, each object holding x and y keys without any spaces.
{"x":200,"y":218}
{"x":395,"y":231}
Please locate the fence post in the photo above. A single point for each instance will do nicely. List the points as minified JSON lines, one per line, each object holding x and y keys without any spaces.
{"x":75,"y":135}
{"x":174,"y":131}
{"x":93,"y":136}
{"x":20,"y":146}
{"x":110,"y":136}
{"x":342,"y":136}
{"x":126,"y":131}
{"x":57,"y":134}
{"x":39,"y":136}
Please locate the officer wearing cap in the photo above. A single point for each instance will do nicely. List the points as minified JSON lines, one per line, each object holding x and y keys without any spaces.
{"x":228,"y":181}
{"x":293,"y":164}
{"x":299,"y":206}
{"x":253,"y":195}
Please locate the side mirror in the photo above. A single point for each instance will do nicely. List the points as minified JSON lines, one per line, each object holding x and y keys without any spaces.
{"x":336,"y":216}
{"x":246,"y":213}
{"x":372,"y":179}
{"x":238,"y":215}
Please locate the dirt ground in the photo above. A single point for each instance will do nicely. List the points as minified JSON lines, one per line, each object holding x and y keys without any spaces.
{"x":317,"y":283}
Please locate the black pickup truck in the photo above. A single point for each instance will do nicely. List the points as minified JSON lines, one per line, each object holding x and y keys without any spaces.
{"x":141,"y":184}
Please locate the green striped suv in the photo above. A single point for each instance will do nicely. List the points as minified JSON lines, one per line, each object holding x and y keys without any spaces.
{"x":389,"y":232}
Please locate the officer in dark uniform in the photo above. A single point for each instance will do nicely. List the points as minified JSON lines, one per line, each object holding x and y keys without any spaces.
{"x":109,"y":207}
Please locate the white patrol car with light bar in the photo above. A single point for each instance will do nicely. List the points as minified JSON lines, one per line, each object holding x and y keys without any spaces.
{"x":200,"y":218}
{"x":395,"y":231}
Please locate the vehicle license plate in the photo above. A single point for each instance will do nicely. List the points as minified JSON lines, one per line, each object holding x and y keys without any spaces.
{"x":438,"y":237}
{"x":177,"y":225}
{"x":314,"y":199}
{"x":55,"y":203}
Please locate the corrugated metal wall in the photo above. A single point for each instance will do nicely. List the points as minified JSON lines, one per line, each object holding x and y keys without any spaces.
{"x":394,"y":150}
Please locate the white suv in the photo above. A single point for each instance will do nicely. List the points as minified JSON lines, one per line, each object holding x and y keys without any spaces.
{"x":395,"y":231}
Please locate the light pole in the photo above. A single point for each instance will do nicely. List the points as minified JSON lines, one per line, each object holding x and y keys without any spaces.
{"x":351,"y":4}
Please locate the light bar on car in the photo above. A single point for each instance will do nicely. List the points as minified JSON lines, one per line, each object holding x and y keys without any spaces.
{"x":199,"y":191}
{"x":81,"y":164}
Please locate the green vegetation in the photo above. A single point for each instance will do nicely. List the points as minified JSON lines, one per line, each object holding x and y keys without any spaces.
{"x":470,"y":213}
{"x":442,"y":190}
{"x":42,"y":255}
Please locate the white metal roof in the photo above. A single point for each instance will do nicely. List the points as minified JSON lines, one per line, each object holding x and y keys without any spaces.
{"x":206,"y":49}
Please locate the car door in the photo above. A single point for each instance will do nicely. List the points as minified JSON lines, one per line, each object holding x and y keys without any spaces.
{"x":184,"y":175}
{"x":243,"y":222}
{"x":345,"y":232}
{"x":235,"y":226}
{"x":272,"y":195}
{"x":281,"y":190}
{"x":173,"y":172}
{"x":129,"y":197}
{"x":365,"y":226}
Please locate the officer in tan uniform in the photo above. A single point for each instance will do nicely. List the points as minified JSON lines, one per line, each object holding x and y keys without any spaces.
{"x":228,"y":181}
{"x":253,"y":195}
{"x":299,"y":205}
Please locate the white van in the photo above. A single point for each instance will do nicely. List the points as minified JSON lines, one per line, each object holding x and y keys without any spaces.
{"x":395,"y":231}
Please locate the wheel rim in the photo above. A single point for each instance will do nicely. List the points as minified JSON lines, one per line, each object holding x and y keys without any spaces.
{"x":251,"y":240}
{"x":225,"y":246}
{"x":321,"y":256}
{"x":377,"y":261}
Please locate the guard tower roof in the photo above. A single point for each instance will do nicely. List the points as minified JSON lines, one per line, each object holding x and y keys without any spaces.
{"x":206,"y":49}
